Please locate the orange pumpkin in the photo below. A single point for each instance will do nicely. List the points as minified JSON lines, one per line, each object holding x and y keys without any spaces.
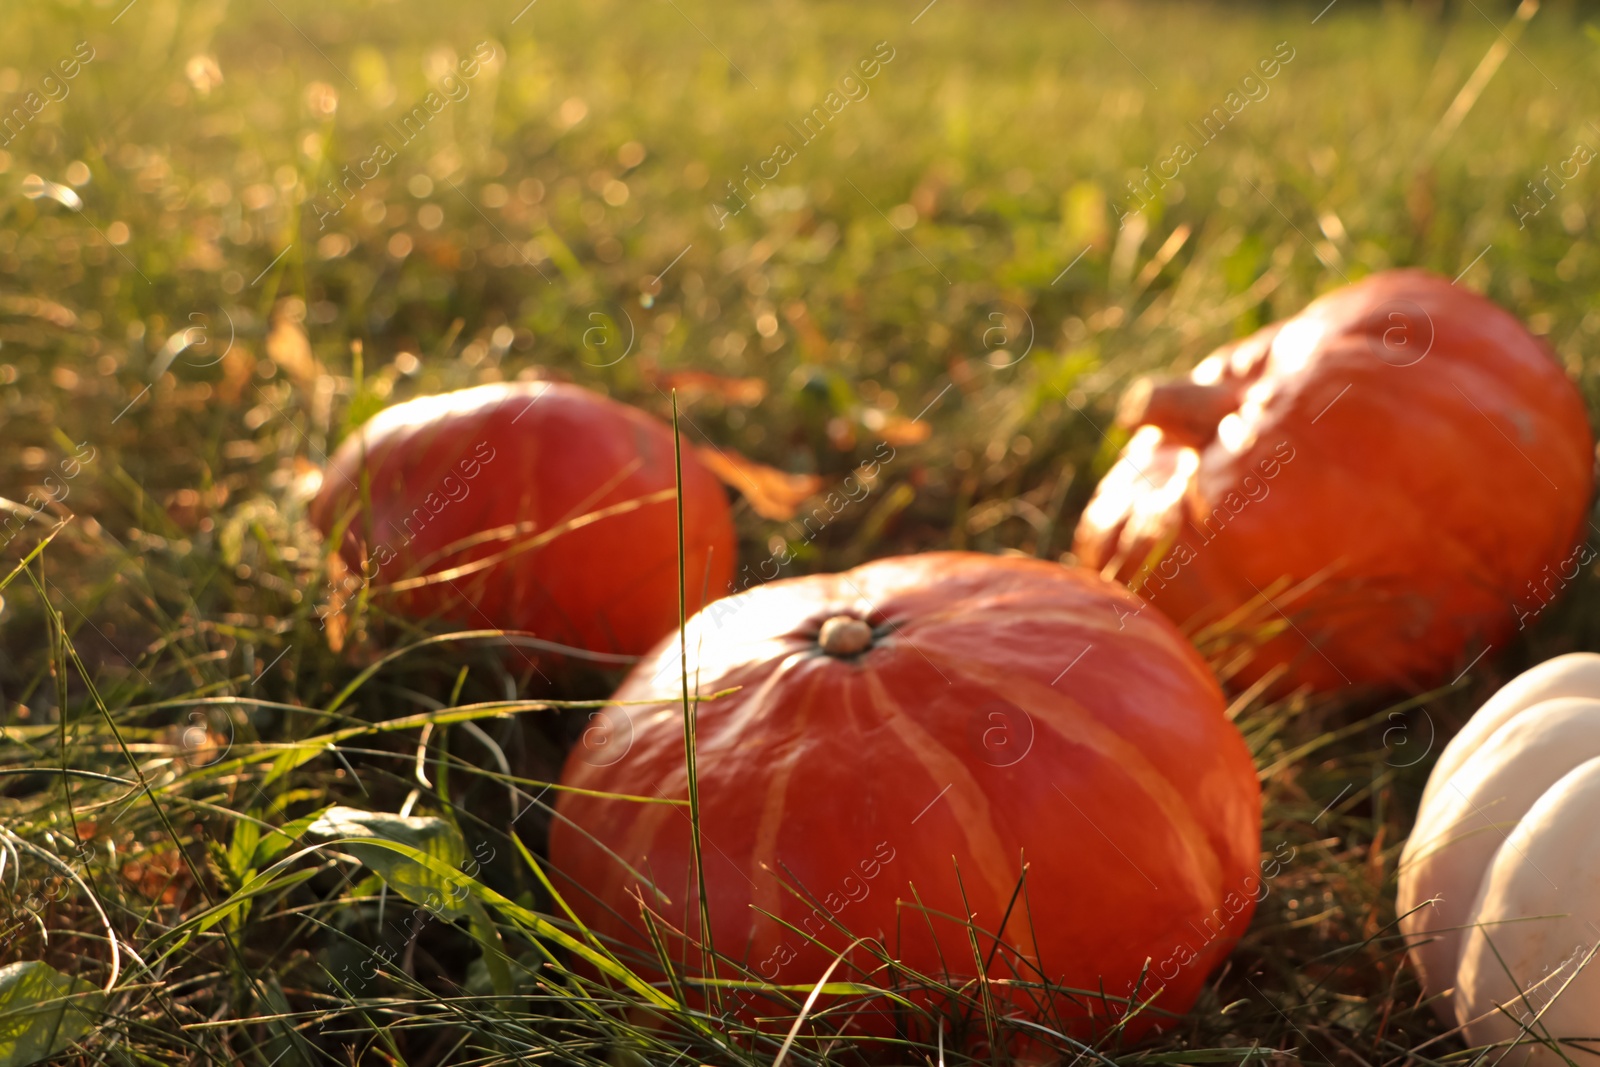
{"x":905,"y":736}
{"x":532,"y":506}
{"x":1384,"y":485}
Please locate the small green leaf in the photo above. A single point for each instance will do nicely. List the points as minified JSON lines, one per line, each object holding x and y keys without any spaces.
{"x":433,"y":836}
{"x":242,"y":849}
{"x":435,"y":880}
{"x":238,"y":904}
{"x":282,"y":837}
{"x":42,"y":1011}
{"x":367,"y":402}
{"x":291,"y":758}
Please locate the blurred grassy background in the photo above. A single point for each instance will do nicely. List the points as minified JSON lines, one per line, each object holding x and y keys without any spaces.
{"x":584,"y":161}
{"x":948,"y":247}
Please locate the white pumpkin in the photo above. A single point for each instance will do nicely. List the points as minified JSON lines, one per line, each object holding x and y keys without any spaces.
{"x":1500,"y":882}
{"x":1577,"y":674}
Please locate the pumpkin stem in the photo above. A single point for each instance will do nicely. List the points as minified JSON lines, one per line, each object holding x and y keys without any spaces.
{"x":844,"y":635}
{"x":1187,"y":412}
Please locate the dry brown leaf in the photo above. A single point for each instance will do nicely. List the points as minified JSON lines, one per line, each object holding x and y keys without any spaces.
{"x":288,"y":348}
{"x":897,"y":429}
{"x":695,"y":384}
{"x":774,"y":494}
{"x":238,"y":369}
{"x":842,"y":434}
{"x":814,"y":343}
{"x":159,"y":875}
{"x":183,"y":508}
{"x":335,"y":621}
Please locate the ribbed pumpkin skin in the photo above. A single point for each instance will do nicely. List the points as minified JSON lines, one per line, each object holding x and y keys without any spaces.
{"x":1006,"y":708}
{"x":444,"y":468}
{"x":1499,"y":882}
{"x":1460,"y":838}
{"x":1422,"y":497}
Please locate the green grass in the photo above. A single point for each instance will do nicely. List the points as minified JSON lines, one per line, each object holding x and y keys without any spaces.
{"x":169,"y":694}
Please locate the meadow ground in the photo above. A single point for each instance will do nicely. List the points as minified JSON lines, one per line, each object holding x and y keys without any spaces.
{"x":228,"y":235}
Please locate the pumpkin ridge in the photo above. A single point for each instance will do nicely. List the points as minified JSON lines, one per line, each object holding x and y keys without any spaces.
{"x":974,"y":814}
{"x":1094,"y":623}
{"x":1037,"y":607}
{"x":646,"y":826}
{"x":764,"y":854}
{"x":1116,"y":750}
{"x":754,"y":708}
